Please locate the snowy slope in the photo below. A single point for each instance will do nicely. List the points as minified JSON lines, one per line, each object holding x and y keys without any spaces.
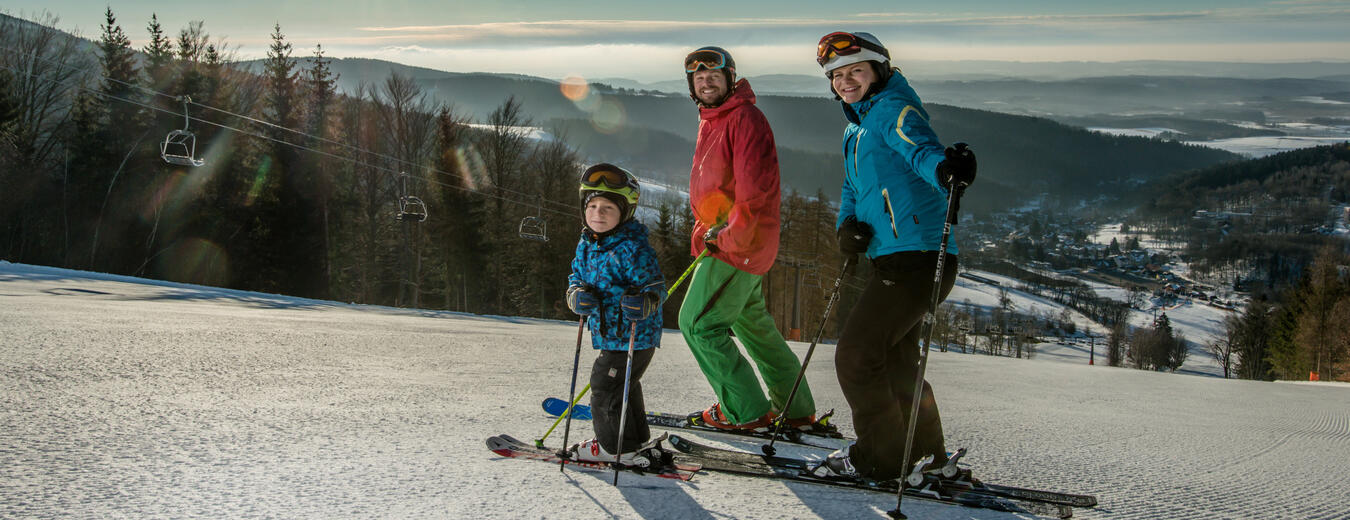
{"x":1197,"y":321}
{"x":129,"y":398}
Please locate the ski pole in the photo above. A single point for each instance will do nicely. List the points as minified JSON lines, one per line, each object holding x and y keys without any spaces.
{"x":539,"y":443}
{"x":929,"y":318}
{"x":567,"y":429}
{"x":687,"y":270}
{"x":568,"y":413}
{"x":623,"y":410}
{"x":782,"y":416}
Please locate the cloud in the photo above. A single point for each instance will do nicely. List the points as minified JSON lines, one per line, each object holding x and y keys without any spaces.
{"x":1301,"y":20}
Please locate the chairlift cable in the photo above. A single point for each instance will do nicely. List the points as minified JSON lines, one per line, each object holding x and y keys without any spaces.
{"x":149,"y":90}
{"x":299,"y":146}
{"x":572,"y":214}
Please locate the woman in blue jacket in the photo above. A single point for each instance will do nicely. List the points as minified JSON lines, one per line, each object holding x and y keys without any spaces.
{"x":892,"y":207}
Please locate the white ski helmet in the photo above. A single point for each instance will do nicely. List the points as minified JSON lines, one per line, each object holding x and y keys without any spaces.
{"x":838,"y":49}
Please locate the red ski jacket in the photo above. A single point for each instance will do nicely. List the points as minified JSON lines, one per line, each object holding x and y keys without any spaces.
{"x":734,"y":180}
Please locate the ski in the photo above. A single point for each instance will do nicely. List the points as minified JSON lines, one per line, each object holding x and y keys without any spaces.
{"x":508,"y":446}
{"x":959,"y":491}
{"x":824,"y":435}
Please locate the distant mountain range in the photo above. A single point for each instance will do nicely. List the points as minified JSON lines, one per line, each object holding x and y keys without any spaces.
{"x":653,"y":132}
{"x":1019,"y":156}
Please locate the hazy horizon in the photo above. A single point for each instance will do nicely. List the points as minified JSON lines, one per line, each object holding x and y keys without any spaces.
{"x":646,"y":43}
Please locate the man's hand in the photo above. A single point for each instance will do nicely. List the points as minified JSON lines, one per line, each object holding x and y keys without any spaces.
{"x":710,"y":238}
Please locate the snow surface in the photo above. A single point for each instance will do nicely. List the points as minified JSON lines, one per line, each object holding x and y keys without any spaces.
{"x":1257,"y":147}
{"x":134,"y":398}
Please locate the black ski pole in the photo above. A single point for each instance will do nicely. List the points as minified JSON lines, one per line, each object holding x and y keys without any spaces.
{"x":929,"y":319}
{"x":576,"y":363}
{"x":623,"y":410}
{"x":782,"y":416}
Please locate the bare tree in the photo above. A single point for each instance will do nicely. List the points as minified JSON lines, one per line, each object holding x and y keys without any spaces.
{"x":408,"y":126}
{"x":45,"y":64}
{"x":1115,"y":344}
{"x":1224,"y":346}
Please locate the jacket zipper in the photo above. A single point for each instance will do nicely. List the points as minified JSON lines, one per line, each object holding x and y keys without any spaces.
{"x":889,"y":213}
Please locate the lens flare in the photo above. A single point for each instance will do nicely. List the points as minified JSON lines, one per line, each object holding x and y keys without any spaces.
{"x":609,"y":117}
{"x":194,"y":260}
{"x":259,"y":181}
{"x":574,"y":88}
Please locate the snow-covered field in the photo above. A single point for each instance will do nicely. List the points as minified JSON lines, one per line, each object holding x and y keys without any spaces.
{"x":1256,"y":147}
{"x":131,"y":398}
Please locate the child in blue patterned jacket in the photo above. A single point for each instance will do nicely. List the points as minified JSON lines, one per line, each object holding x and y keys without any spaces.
{"x":617,"y":283}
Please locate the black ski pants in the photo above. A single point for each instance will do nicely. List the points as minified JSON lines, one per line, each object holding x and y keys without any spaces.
{"x":607,"y":399}
{"x":877,"y":363}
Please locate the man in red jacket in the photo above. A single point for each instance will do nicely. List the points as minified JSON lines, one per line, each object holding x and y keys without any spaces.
{"x":733,"y":188}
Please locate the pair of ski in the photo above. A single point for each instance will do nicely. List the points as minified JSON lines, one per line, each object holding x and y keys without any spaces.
{"x":822,"y":434}
{"x":694,"y":457}
{"x":961,"y":490}
{"x":508,"y":446}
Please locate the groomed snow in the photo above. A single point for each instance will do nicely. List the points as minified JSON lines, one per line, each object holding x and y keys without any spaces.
{"x":132,"y":398}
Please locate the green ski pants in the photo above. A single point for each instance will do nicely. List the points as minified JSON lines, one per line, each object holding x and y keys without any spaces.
{"x":723,"y":298}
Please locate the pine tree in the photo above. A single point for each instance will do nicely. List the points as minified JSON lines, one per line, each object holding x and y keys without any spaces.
{"x":1287,"y":360}
{"x":158,"y":56}
{"x":1317,"y":325}
{"x":1252,"y":341}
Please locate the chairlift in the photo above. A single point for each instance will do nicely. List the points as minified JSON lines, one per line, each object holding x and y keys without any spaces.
{"x":180,"y":146}
{"x":534,"y":227}
{"x":410,"y":208}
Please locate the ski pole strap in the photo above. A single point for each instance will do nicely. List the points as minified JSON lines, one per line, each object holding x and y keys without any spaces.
{"x":566,"y":413}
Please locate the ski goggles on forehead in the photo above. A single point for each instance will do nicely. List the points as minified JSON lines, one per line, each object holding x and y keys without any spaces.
{"x":844,"y":44}
{"x":609,"y":179}
{"x":706,"y":59}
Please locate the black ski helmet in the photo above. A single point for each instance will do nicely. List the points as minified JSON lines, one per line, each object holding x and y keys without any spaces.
{"x":710,"y":58}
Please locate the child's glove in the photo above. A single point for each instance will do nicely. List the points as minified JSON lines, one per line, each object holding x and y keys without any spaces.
{"x":638,"y":306}
{"x":581,"y":301}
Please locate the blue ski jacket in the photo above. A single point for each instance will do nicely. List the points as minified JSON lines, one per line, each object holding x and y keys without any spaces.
{"x":607,"y":266}
{"x":890,"y":172}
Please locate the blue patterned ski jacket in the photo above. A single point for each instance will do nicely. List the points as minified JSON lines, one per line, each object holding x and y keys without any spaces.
{"x":890,"y":171}
{"x":610,"y":265}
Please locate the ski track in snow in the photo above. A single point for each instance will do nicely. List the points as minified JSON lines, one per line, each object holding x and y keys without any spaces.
{"x":126,"y":398}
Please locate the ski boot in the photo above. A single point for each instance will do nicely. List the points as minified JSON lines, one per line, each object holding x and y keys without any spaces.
{"x":649,"y":455}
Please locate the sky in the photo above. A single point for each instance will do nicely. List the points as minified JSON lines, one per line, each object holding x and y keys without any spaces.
{"x":646,"y":41}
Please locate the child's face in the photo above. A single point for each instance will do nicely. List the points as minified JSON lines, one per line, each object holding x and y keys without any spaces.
{"x":601,"y":214}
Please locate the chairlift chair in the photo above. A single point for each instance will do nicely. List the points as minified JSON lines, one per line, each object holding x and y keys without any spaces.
{"x":411,"y":209}
{"x":180,"y":146}
{"x":534,"y":227}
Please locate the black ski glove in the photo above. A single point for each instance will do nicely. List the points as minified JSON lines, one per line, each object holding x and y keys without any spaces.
{"x":581,"y":301}
{"x":958,"y":168}
{"x":710,"y":238}
{"x":853,"y":236}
